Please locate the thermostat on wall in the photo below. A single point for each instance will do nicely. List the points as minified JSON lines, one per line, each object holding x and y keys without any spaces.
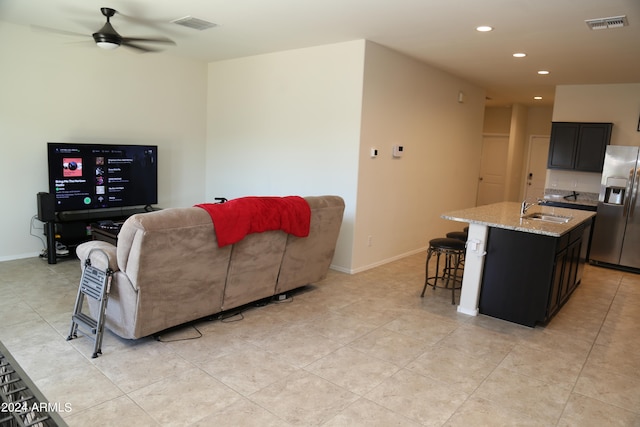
{"x":398,"y":150}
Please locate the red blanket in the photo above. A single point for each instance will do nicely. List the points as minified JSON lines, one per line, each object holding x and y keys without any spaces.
{"x":238,"y":217}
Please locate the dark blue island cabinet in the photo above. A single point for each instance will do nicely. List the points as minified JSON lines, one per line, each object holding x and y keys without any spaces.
{"x":527,"y":276}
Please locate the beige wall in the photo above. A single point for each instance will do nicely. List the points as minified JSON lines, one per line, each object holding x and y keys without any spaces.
{"x":539,"y":120}
{"x":615,"y":103}
{"x":53,"y":91}
{"x":520,"y":123}
{"x":400,"y":200}
{"x":304,"y":121}
{"x":288,"y":123}
{"x":497,"y":120}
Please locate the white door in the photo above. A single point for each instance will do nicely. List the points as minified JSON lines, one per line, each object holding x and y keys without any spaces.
{"x":536,"y":167}
{"x":493,"y":169}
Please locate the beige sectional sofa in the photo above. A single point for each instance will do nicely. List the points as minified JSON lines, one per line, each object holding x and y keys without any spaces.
{"x":169,"y":270}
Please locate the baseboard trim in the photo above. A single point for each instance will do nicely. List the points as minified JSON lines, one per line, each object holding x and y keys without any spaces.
{"x":377,"y":263}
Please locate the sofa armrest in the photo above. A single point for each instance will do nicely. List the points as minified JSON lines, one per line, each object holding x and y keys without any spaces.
{"x":97,"y":260}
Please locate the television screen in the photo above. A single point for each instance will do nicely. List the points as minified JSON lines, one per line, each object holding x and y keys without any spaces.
{"x":93,"y":176}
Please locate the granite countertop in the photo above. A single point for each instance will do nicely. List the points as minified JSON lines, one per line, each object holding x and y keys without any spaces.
{"x":583,"y":202}
{"x":571,"y":197}
{"x":507,"y":215}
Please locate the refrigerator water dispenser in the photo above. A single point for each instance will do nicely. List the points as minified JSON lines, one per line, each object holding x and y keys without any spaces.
{"x":615,"y":195}
{"x":614,"y":192}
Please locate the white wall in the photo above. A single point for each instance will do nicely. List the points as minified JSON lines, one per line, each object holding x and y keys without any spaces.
{"x":288,"y":123}
{"x":400,"y":200}
{"x":55,"y":91}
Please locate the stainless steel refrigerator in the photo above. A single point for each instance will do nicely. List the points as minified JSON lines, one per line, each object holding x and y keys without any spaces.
{"x":616,"y":235}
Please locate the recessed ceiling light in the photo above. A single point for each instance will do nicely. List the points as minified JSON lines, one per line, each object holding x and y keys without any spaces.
{"x":537,"y":97}
{"x":519,"y":55}
{"x":484,"y":28}
{"x":543,"y":72}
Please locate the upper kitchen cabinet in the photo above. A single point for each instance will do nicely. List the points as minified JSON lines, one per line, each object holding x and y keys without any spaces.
{"x":578,"y":146}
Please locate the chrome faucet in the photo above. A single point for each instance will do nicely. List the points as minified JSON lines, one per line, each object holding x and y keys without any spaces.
{"x":524,"y":207}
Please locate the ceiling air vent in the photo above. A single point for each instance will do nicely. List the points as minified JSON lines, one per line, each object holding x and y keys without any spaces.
{"x":606,"y":23}
{"x":195,"y":23}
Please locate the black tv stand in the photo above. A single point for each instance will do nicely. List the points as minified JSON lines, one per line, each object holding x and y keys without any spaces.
{"x":74,"y":227}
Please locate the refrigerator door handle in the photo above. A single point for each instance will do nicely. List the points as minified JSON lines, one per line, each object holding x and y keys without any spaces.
{"x":634,"y":195}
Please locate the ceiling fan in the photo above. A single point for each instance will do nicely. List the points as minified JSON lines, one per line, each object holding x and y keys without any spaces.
{"x":108,"y":38}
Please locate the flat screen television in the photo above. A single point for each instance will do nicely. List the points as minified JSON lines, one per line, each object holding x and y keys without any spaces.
{"x":97,"y":176}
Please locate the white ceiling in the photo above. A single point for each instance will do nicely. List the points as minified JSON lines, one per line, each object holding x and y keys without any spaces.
{"x":440,"y":33}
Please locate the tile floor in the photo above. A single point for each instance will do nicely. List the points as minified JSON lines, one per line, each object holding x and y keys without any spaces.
{"x":353,"y":350}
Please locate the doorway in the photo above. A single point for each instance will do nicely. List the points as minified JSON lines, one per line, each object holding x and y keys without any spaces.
{"x":493,"y":169}
{"x":536,"y":167}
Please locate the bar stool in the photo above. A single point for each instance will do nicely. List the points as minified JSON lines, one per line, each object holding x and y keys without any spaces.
{"x":460,"y":235}
{"x":453,"y":251}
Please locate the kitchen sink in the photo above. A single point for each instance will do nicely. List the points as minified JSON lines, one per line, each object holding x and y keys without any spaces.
{"x":539,"y":216}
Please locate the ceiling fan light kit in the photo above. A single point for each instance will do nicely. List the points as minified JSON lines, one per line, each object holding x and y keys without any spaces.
{"x":107,"y":37}
{"x":107,"y":45}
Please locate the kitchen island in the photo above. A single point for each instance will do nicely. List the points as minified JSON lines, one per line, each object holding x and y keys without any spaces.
{"x":521,"y":269}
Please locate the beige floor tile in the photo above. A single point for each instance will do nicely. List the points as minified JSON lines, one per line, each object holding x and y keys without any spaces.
{"x":242,"y":413}
{"x":621,"y":358}
{"x":111,"y":343}
{"x":390,"y":346}
{"x":421,"y":399}
{"x":478,"y":412}
{"x":304,"y":399}
{"x":333,"y":298}
{"x":16,"y":313}
{"x":622,"y":390}
{"x":454,"y":367}
{"x":502,"y":327}
{"x":557,"y":367}
{"x":371,"y":311}
{"x":248,"y":369}
{"x":48,"y":358}
{"x":217,"y":340}
{"x":365,"y":413}
{"x":184,"y":398}
{"x":118,"y":412}
{"x":630,"y":283}
{"x":575,"y":324}
{"x":53,"y":301}
{"x":8,"y":298}
{"x":480,"y":342}
{"x":625,"y":306}
{"x":141,"y":365}
{"x":296,"y":347}
{"x":338,"y":327}
{"x":353,"y":370}
{"x":603,"y":274}
{"x":587,"y":412}
{"x":422,"y":325}
{"x":550,"y":341}
{"x":32,"y":332}
{"x":81,"y":388}
{"x":533,"y":398}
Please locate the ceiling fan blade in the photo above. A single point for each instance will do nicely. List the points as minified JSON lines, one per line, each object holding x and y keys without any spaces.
{"x":148,"y":40}
{"x":140,"y":49}
{"x":53,"y":30}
